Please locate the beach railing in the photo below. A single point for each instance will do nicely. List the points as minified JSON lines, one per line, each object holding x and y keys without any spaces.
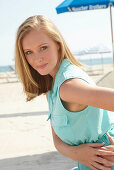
{"x":95,"y":62}
{"x":8,"y":77}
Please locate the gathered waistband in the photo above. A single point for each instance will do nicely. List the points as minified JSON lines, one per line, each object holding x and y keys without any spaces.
{"x":104,"y":139}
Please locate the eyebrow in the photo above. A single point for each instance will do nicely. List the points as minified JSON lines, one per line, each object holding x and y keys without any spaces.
{"x":38,"y":46}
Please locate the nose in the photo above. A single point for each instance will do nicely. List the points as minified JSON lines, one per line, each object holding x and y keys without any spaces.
{"x":38,"y":57}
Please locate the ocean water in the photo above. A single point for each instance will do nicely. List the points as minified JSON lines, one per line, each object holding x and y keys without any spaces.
{"x":87,"y":61}
{"x":97,"y":61}
{"x":5,"y":68}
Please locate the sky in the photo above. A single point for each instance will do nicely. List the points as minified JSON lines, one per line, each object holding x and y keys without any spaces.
{"x":81,"y":30}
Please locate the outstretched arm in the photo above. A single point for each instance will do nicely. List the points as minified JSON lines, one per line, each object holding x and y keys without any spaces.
{"x":80,"y":92}
{"x":88,"y":154}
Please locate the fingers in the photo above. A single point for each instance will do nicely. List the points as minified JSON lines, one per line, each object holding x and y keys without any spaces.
{"x":110,"y":139}
{"x":99,"y":166}
{"x":108,"y":148}
{"x":92,"y":167}
{"x":103,"y":161}
{"x":103,"y":152}
{"x":96,"y":144}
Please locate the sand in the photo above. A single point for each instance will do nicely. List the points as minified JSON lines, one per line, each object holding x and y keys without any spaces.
{"x":25,"y":136}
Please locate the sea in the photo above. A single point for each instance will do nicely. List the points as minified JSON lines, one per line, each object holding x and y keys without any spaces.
{"x":97,"y":61}
{"x":7,"y":68}
{"x":91,"y":60}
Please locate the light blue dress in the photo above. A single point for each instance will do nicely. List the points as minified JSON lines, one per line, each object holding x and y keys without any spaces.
{"x":75,"y":128}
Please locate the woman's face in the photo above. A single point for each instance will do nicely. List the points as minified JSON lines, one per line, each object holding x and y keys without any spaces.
{"x":41,"y":52}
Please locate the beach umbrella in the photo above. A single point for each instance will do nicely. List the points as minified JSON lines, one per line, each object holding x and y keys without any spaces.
{"x":83,"y":5}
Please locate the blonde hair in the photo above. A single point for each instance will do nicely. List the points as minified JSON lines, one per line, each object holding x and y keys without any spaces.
{"x":35,"y":84}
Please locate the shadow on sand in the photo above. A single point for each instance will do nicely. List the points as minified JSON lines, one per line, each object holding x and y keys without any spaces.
{"x":45,"y":161}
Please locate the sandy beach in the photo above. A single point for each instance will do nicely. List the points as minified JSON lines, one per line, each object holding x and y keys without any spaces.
{"x":25,"y":135}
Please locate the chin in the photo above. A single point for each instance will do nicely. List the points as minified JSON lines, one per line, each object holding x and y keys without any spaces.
{"x":43,"y":74}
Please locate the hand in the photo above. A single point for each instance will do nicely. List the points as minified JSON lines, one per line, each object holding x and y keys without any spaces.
{"x":109,"y":148}
{"x":110,"y":139}
{"x":91,"y":155}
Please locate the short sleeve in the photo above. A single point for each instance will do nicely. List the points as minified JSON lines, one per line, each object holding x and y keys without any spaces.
{"x":73,"y":71}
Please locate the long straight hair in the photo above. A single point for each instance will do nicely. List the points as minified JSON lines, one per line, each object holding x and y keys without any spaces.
{"x":35,"y":84}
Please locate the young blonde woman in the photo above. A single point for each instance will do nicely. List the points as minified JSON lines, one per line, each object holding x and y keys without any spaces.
{"x":77,"y":107}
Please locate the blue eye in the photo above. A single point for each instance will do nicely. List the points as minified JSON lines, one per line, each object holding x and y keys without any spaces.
{"x":28,"y":53}
{"x":43,"y":48}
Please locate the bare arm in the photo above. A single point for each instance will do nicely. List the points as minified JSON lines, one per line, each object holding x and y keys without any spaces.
{"x":78,"y":91}
{"x":89,"y":154}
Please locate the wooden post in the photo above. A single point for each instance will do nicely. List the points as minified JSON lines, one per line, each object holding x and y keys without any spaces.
{"x":110,"y":5}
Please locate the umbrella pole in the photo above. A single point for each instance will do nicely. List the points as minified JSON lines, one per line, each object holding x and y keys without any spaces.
{"x":112,"y":32}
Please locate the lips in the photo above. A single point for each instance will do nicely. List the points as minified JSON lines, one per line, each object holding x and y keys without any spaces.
{"x":42,"y":66}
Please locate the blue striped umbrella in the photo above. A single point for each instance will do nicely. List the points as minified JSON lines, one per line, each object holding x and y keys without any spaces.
{"x":83,"y":5}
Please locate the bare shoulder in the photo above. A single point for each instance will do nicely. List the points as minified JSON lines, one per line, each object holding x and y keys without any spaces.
{"x":76,"y":90}
{"x":71,"y":86}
